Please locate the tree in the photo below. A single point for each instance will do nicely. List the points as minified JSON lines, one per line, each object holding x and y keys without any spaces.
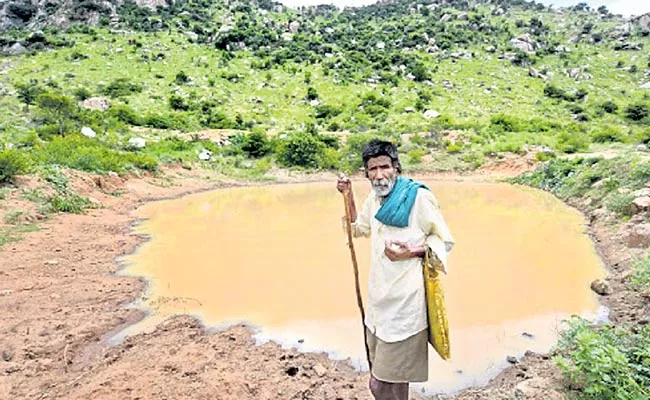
{"x":28,"y":92}
{"x":637,"y":112}
{"x":56,"y":107}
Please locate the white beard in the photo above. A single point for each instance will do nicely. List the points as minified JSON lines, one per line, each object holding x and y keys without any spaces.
{"x":383,"y":187}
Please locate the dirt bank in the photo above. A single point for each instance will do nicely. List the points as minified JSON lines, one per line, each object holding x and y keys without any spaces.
{"x":61,"y":300}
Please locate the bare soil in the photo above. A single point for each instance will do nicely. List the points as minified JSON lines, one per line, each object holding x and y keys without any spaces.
{"x":61,"y":301}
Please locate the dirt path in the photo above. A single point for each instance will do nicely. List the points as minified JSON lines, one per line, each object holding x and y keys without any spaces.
{"x":61,"y":300}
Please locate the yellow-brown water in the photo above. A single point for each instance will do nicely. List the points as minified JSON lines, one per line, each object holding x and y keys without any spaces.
{"x":276,"y":257}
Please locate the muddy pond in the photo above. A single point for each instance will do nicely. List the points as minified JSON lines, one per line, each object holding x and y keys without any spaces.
{"x":276,"y":257}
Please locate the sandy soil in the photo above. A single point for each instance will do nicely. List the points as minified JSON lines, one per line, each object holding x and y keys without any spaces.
{"x":61,"y":301}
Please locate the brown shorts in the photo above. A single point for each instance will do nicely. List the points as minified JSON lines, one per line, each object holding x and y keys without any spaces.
{"x":403,"y":361}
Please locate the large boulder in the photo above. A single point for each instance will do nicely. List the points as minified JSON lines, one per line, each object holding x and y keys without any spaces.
{"x":524,"y":43}
{"x":88,"y":132}
{"x":137,"y":143}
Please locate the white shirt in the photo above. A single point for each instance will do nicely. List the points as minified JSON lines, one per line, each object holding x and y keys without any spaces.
{"x":396,"y":306}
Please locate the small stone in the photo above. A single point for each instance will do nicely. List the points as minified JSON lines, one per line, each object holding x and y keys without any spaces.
{"x":52,"y":262}
{"x":512,"y":360}
{"x":6,"y":292}
{"x":601,"y":287}
{"x":7,"y":355}
{"x":537,"y":388}
{"x":55,"y":296}
{"x":409,"y":110}
{"x":320,"y":370}
{"x":528,"y":335}
{"x":11,"y":368}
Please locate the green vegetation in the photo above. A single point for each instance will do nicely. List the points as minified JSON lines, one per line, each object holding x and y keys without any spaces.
{"x":640,"y":278}
{"x":606,"y":362}
{"x":612,"y":182}
{"x":374,"y":71}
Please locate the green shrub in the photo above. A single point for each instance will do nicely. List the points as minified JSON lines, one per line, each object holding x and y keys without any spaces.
{"x":181,"y":78}
{"x":454,"y":148}
{"x":609,"y":107}
{"x":608,"y":134}
{"x":504,"y":123}
{"x":329,"y":159}
{"x":606,"y":362}
{"x":300,"y":150}
{"x":121,"y":87}
{"x":415,"y":156}
{"x":68,"y":203}
{"x":12,"y":162}
{"x":619,"y":203}
{"x":637,"y":112}
{"x":255,"y":144}
{"x":56,"y":108}
{"x":177,"y":103}
{"x":79,"y":152}
{"x":572,"y":142}
{"x":544,"y":156}
{"x":640,"y":278}
{"x":82,"y":94}
{"x":125,"y":114}
{"x":475,"y":160}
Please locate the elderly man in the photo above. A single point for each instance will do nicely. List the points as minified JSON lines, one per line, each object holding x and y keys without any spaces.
{"x":403,"y":220}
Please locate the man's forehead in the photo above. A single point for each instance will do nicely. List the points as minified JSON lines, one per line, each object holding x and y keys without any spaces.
{"x":377,"y":161}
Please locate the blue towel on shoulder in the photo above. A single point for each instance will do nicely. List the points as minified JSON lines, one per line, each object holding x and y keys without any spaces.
{"x":397,"y":207}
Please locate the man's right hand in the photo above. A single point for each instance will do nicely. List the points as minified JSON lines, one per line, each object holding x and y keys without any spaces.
{"x":344,"y":185}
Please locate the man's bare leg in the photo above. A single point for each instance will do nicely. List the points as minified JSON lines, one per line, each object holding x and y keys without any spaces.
{"x":388,"y":391}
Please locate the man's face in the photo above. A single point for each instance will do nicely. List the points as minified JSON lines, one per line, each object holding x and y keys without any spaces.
{"x":382,"y":175}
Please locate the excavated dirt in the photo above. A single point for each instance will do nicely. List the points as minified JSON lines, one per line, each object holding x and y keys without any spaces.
{"x":61,"y":300}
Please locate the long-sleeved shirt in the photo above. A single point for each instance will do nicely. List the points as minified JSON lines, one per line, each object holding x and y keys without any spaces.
{"x":396,"y":306}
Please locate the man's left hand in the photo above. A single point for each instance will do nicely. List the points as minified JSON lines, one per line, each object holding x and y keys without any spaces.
{"x":397,"y":251}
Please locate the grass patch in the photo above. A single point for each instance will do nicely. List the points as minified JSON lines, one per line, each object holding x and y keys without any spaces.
{"x":15,"y":233}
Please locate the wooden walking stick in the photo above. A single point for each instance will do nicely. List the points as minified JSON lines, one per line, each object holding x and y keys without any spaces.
{"x":348,"y":223}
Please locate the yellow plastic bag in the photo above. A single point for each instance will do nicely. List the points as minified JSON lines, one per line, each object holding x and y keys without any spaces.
{"x":436,"y":313}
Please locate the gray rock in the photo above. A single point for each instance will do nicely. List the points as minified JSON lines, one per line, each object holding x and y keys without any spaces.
{"x":320,"y":370}
{"x":12,"y":368}
{"x":445,"y":18}
{"x":17,"y":49}
{"x":512,"y":360}
{"x":294,"y":26}
{"x":6,"y":355}
{"x":409,"y":110}
{"x":601,"y":287}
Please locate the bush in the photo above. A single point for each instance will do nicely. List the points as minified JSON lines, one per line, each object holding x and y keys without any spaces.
{"x":79,"y":152}
{"x":640,"y":278}
{"x":12,"y":162}
{"x":608,"y":134}
{"x":637,"y":112}
{"x":572,"y":142}
{"x":505,"y":123}
{"x":606,"y":362}
{"x":619,"y":203}
{"x":454,"y":148}
{"x":300,"y":150}
{"x":68,"y":203}
{"x":255,"y":144}
{"x":125,"y":114}
{"x":181,"y":78}
{"x":121,"y":87}
{"x":609,"y":107}
{"x":177,"y":103}
{"x":82,"y":94}
{"x":415,"y":156}
{"x":351,"y":154}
